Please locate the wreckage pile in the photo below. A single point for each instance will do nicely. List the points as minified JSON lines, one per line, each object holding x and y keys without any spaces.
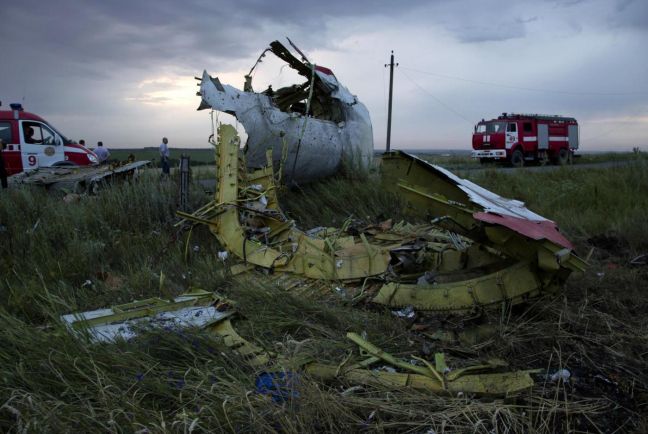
{"x":482,"y":251}
{"x":261,"y":349}
{"x":79,"y":179}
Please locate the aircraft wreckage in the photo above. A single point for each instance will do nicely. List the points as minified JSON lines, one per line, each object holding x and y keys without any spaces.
{"x":478,"y":251}
{"x":79,"y":179}
{"x":312,"y":128}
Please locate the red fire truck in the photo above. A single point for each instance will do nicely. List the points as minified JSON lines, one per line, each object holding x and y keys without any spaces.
{"x":31,"y":142}
{"x":520,"y":138}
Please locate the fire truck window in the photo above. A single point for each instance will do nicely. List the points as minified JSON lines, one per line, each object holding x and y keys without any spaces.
{"x":37,"y":134}
{"x":512,"y":128}
{"x":5,"y":132}
{"x":48,"y":136}
{"x":494,"y":127}
{"x":527,"y":127}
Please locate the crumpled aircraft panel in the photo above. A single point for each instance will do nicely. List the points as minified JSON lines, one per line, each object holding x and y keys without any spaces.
{"x":438,"y":192}
{"x":307,"y":147}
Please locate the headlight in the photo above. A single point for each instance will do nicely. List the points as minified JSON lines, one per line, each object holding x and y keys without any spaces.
{"x":92,"y":158}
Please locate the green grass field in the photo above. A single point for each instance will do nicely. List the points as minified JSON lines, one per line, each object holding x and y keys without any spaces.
{"x":197,"y":156}
{"x":58,"y":257}
{"x":205,"y":156}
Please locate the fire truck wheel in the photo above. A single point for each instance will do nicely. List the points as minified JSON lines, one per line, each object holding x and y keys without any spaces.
{"x":517,"y":158}
{"x":563,"y":156}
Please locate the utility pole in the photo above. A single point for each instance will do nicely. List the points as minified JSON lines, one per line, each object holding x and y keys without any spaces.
{"x":391,"y":92}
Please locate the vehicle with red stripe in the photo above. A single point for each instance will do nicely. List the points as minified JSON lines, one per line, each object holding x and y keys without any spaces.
{"x":521,"y":138}
{"x":31,"y":142}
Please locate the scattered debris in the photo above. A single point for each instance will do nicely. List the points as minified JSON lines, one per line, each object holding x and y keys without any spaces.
{"x":486,"y":379}
{"x":560,"y":375}
{"x":206,"y":310}
{"x":480,"y":251}
{"x":483,"y":250}
{"x":77,"y":179}
{"x":195,"y":309}
{"x":639,"y":260}
{"x":407,"y":312}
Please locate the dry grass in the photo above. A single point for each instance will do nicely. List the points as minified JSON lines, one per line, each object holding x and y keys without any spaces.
{"x":123,"y":240}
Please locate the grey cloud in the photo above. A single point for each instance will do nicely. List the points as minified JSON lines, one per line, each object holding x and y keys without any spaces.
{"x":630,"y":13}
{"x":500,"y":31}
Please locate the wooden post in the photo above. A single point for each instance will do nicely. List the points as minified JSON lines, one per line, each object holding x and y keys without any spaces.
{"x":184,"y":183}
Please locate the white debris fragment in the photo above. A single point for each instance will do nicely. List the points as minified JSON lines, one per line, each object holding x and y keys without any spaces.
{"x":193,"y":316}
{"x":407,"y":312}
{"x":223,"y":255}
{"x":561,"y":374}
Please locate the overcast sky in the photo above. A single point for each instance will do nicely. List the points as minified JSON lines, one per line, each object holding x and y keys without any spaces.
{"x":122,"y":71}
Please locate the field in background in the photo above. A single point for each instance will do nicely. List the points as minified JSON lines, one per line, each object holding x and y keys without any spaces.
{"x":197,"y":156}
{"x":58,"y":257}
{"x":453,"y":159}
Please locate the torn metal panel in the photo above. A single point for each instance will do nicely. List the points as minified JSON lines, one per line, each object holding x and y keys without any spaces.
{"x":514,"y":284}
{"x":473,"y":211}
{"x":194,"y":309}
{"x":438,"y":378}
{"x":79,"y":179}
{"x":311,"y":128}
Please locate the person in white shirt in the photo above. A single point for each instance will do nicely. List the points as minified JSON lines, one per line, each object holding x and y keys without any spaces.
{"x":102,"y":153}
{"x":164,"y":156}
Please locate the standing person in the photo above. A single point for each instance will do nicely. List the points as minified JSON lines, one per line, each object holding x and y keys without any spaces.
{"x":102,"y":153}
{"x":164,"y":156}
{"x":3,"y":170}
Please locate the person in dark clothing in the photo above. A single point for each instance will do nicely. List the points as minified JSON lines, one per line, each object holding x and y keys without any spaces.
{"x":28,"y":131}
{"x":3,"y":170}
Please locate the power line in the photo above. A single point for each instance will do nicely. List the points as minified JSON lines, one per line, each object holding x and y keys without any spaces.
{"x":446,"y":106}
{"x":528,"y":89}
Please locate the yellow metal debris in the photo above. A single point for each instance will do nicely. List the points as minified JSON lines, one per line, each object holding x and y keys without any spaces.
{"x":462,"y":262}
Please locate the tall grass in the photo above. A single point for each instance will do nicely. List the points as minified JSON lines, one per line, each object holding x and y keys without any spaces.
{"x":57,"y":257}
{"x":584,"y":202}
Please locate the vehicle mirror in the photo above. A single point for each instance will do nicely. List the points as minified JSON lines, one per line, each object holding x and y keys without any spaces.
{"x":58,"y":141}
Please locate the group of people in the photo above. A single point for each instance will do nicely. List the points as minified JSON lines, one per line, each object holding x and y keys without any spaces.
{"x":102,"y":153}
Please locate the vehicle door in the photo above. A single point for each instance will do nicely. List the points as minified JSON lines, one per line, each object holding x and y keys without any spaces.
{"x":511,"y":134}
{"x":41,"y":146}
{"x":529,"y":139}
{"x":11,"y":153}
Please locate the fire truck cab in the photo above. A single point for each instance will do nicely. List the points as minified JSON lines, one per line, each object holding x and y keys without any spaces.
{"x":520,"y":138}
{"x":30,"y":142}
